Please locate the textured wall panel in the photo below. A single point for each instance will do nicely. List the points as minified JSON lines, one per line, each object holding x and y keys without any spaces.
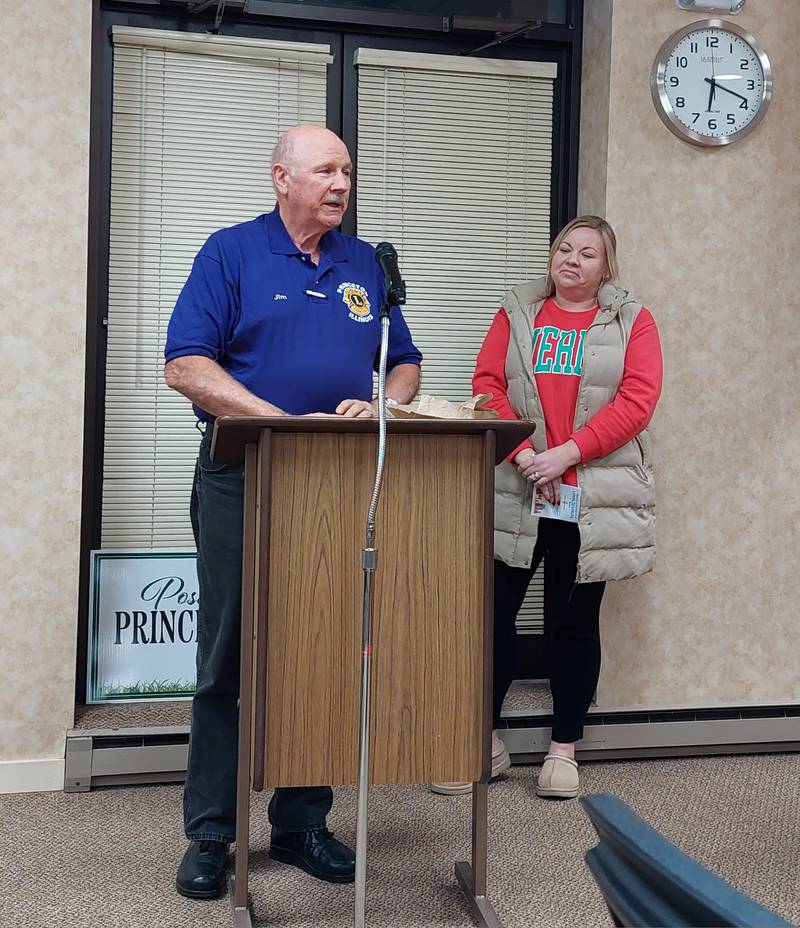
{"x":44,"y":154}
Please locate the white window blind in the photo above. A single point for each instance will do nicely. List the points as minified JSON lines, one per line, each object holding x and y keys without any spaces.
{"x":454,"y":168}
{"x":195,"y":118}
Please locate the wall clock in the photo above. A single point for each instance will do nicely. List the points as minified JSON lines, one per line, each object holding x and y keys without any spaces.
{"x":711,"y":83}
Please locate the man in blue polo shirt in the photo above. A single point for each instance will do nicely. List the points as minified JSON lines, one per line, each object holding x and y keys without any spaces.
{"x":279,"y":316}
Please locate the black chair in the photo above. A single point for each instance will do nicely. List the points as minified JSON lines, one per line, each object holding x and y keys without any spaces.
{"x":648,"y":883}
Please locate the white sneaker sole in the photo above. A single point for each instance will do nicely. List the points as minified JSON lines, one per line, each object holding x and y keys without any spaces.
{"x":502,"y":764}
{"x":557,"y":793}
{"x":451,"y":789}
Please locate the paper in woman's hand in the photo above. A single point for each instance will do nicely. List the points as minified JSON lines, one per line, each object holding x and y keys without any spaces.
{"x":568,"y":510}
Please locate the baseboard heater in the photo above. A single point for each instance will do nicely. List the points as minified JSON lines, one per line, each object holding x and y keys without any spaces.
{"x":124,"y":756}
{"x":626,"y":735}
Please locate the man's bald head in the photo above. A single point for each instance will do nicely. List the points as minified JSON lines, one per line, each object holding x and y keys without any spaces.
{"x":311,"y":174}
{"x":301,"y":142}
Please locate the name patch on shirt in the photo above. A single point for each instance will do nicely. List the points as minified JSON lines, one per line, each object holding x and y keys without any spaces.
{"x":356,"y":299}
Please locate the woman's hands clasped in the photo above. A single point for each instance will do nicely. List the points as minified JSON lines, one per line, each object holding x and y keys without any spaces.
{"x":545,"y":468}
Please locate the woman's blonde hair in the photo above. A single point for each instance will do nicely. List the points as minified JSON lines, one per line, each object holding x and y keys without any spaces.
{"x":609,"y":243}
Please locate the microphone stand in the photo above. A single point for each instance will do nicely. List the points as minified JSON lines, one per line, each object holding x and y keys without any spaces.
{"x":369,"y":561}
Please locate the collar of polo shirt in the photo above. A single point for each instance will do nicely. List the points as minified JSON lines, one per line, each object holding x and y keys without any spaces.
{"x":281,"y":243}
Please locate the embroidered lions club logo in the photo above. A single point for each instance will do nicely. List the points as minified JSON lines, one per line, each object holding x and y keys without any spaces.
{"x":355,"y":298}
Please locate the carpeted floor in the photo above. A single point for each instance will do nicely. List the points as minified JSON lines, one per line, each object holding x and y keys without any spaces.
{"x":107,"y":859}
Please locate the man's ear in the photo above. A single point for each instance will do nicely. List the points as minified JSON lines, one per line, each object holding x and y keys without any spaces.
{"x":280,"y":178}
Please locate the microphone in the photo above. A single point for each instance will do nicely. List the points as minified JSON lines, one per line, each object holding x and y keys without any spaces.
{"x":394,"y":284}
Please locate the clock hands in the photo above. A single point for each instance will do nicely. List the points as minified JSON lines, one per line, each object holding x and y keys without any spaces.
{"x":714,"y":84}
{"x":711,"y":93}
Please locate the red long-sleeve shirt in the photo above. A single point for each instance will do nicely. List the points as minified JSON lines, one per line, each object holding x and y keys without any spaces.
{"x":557,"y":361}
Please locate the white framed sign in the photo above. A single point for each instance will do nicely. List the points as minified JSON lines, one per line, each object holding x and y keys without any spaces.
{"x":142,"y":626}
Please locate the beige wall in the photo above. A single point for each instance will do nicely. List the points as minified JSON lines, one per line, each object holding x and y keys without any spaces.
{"x":595,"y":99}
{"x":44,"y":133}
{"x":710,"y":240}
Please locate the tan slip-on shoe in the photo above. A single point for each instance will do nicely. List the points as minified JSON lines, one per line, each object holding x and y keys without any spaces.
{"x":500,"y":763}
{"x":558,"y":778}
{"x":500,"y":757}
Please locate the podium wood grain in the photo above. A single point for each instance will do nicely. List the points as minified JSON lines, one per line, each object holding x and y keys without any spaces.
{"x":428,"y":618}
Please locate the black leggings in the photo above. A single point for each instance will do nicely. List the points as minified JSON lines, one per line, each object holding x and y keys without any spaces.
{"x":572,"y":627}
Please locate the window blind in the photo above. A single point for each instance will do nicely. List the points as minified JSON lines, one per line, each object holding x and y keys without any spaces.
{"x":194,"y":121}
{"x":454,"y":168}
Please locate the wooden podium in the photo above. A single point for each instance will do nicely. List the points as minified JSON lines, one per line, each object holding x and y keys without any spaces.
{"x":307,"y":491}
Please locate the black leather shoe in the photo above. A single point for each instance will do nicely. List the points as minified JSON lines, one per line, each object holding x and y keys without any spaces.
{"x":201,"y":874}
{"x":316,"y":852}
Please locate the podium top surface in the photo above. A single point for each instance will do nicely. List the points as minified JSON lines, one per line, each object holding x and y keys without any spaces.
{"x":233,"y":433}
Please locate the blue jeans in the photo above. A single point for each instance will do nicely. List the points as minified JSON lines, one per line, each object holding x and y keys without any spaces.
{"x":209,"y":797}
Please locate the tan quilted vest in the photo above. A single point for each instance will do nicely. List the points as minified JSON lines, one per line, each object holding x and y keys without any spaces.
{"x":617,"y":518}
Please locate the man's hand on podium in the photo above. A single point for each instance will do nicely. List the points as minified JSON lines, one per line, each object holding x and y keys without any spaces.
{"x":356,"y":409}
{"x":347,"y":409}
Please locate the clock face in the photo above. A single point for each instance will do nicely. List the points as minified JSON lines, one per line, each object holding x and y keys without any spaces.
{"x":711,"y":83}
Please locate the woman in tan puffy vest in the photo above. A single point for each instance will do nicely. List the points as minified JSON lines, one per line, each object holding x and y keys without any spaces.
{"x":580,"y":358}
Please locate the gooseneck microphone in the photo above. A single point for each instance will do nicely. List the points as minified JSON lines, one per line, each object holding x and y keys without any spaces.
{"x":394,"y":294}
{"x":395,"y":287}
